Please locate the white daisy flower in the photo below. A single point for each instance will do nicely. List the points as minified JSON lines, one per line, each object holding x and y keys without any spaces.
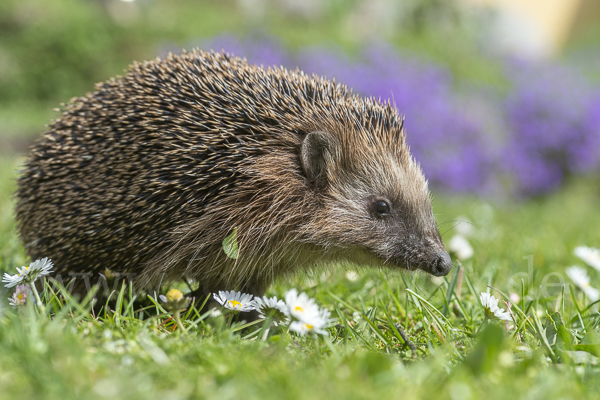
{"x":300,"y":306}
{"x":19,"y":296}
{"x":515,"y":298}
{"x":460,"y":246}
{"x":272,"y":307}
{"x":12,"y":280}
{"x":38,"y":268}
{"x":316,"y":323}
{"x":580,"y":277}
{"x":235,"y":300}
{"x":28,"y":274}
{"x":352,"y":276}
{"x":589,"y":255}
{"x":490,"y":303}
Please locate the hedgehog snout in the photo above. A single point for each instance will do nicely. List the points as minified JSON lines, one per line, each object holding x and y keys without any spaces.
{"x":441,"y":265}
{"x":437,"y":264}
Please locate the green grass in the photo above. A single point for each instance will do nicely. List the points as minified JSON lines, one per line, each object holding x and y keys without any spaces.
{"x":70,"y":353}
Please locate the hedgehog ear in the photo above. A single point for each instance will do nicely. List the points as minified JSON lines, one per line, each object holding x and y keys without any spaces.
{"x":316,"y":153}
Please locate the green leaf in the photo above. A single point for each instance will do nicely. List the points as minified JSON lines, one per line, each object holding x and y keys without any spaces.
{"x":581,"y":357}
{"x":550,"y":329}
{"x":484,"y":357}
{"x":230,"y":245}
{"x":590,"y":348}
{"x":590,"y":338}
{"x":590,"y":343}
{"x":558,"y":336}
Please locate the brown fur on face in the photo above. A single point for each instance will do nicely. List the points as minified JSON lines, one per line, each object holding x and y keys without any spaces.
{"x":149,"y":173}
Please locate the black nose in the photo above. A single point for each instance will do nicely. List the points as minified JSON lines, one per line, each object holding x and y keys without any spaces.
{"x":441,"y":265}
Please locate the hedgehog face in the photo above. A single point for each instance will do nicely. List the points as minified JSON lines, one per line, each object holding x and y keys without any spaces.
{"x":374,"y":197}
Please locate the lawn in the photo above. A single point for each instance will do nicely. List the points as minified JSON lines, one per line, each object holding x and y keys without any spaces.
{"x":521,"y":249}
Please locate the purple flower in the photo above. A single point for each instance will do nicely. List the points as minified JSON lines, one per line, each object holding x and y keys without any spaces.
{"x":19,"y":296}
{"x":551,"y":121}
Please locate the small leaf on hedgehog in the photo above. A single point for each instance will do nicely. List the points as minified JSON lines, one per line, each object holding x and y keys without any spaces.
{"x":230,"y":245}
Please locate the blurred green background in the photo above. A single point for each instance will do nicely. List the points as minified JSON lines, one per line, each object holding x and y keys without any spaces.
{"x":53,"y":50}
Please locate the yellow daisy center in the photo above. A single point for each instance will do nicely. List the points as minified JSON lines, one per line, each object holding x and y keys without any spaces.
{"x":234,"y":304}
{"x":299,"y":309}
{"x":309,"y":327}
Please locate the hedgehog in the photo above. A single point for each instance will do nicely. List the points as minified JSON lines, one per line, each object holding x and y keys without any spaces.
{"x":149,"y":173}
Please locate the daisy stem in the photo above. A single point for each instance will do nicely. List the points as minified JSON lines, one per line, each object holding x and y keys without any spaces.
{"x":177,"y":317}
{"x":265,"y":334}
{"x":37,"y":297}
{"x":484,"y":323}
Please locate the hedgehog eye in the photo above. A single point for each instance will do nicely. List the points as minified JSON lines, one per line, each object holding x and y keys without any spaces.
{"x":381,"y":207}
